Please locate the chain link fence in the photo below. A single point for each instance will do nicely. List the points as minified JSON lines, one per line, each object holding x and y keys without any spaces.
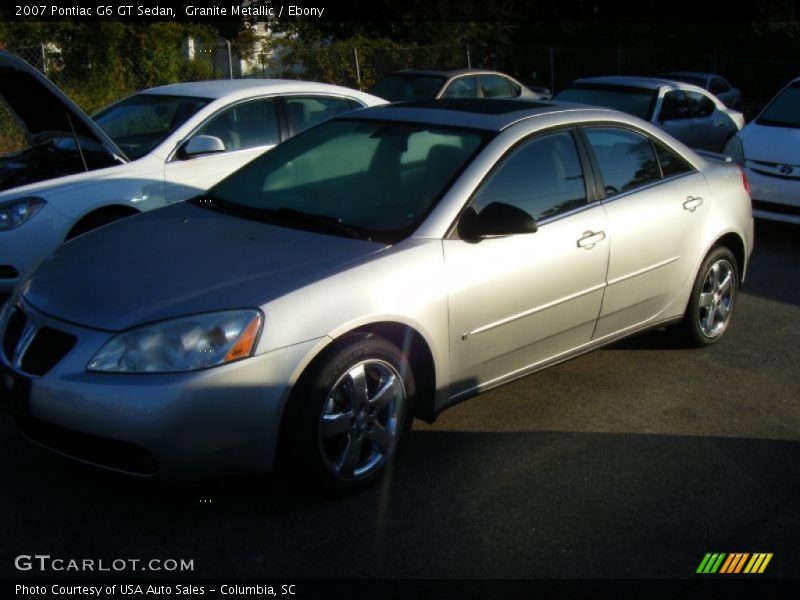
{"x":543,"y":66}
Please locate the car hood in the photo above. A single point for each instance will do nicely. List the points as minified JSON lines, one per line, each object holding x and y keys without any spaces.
{"x":41,"y":109}
{"x":181,"y":260}
{"x":771,"y":144}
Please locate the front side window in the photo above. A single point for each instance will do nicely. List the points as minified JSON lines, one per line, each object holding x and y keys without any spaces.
{"x":543,"y":177}
{"x":306,"y":111}
{"x":372,"y":178}
{"x":626,"y":158}
{"x":247,"y":125}
{"x":463,"y":87}
{"x":140,"y":123}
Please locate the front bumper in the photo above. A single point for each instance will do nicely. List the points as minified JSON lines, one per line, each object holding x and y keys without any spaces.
{"x":218,"y":421}
{"x":774,"y":198}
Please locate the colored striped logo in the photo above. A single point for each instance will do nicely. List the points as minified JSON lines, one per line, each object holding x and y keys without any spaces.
{"x":736,"y":562}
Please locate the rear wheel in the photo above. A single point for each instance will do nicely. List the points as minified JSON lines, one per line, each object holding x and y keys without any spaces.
{"x":348,"y":414}
{"x":711,"y":305}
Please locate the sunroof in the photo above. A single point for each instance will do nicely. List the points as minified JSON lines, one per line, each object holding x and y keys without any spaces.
{"x":485,"y":106}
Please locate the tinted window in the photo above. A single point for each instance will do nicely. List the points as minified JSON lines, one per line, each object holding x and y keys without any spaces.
{"x":626,"y":158}
{"x":543,"y":177}
{"x":463,"y":87}
{"x":784,"y":110}
{"x":632,"y":100}
{"x":139,"y":123}
{"x":675,"y":106}
{"x":495,"y":86}
{"x":245,"y":125}
{"x":379,"y":178}
{"x":718,"y":86}
{"x":307,"y":111}
{"x":407,"y":87}
{"x":671,"y":162}
{"x":700,"y":105}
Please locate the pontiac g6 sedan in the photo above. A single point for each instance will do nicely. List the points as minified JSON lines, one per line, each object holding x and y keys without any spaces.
{"x":381,"y":266}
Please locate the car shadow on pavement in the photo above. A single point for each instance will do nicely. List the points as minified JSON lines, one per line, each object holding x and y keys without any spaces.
{"x":456,"y":504}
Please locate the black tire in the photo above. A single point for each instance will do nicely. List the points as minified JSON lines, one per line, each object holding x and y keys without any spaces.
{"x":711,"y":305}
{"x":312,"y":448}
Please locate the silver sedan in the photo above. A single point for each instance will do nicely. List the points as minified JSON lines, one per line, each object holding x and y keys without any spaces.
{"x":378,"y":267}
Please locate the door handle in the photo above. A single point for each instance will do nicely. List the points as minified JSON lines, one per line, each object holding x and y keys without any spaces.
{"x":692,"y":203}
{"x":590,"y":238}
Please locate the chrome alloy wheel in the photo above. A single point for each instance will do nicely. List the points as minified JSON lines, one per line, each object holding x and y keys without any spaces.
{"x":361,"y":419}
{"x":716,"y":298}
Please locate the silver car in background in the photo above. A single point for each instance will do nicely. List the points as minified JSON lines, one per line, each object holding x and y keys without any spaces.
{"x":716,"y":84}
{"x":687,"y":112}
{"x":378,"y":267}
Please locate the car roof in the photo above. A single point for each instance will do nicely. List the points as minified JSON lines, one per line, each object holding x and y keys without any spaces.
{"x":224,"y":88}
{"x":697,"y":74}
{"x":448,"y":72}
{"x":649,"y":83}
{"x":487,"y":113}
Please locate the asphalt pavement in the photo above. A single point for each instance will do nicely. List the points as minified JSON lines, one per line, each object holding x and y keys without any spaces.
{"x":629,"y":462}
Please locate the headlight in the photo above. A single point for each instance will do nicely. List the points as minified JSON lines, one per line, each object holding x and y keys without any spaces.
{"x":185,"y":344}
{"x":16,"y":212}
{"x":735,"y":149}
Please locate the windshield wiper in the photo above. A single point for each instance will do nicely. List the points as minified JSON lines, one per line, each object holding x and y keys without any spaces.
{"x":325,"y":221}
{"x":282,"y":214}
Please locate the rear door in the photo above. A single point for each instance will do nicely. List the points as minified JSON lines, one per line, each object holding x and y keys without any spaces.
{"x":656,"y":214}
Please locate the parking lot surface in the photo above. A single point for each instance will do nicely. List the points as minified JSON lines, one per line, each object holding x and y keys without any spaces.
{"x":631,"y":461}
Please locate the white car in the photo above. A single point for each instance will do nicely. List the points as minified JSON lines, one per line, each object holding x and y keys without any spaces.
{"x":151,"y":149}
{"x":687,"y":112}
{"x":769,"y":150}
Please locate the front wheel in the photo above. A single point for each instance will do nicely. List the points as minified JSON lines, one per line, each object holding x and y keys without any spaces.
{"x":710,"y":308}
{"x":348,"y":414}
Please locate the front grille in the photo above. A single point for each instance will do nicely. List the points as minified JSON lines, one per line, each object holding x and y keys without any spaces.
{"x":16,"y":323}
{"x":101,"y":451}
{"x":8,"y":272}
{"x":43,"y":347}
{"x":774,"y":207}
{"x":45,"y":350}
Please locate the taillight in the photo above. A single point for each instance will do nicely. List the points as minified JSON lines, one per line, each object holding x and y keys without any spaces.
{"x":745,"y":183}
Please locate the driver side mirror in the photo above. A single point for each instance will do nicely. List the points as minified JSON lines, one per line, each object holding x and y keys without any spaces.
{"x":496,"y":219}
{"x":201,"y":144}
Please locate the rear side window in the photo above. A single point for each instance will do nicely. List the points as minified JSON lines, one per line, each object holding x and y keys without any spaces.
{"x":675,"y":106}
{"x":700,"y":105}
{"x":495,"y":86}
{"x":626,"y":158}
{"x":306,"y":111}
{"x":671,"y":162}
{"x":543,"y":177}
{"x":718,"y":86}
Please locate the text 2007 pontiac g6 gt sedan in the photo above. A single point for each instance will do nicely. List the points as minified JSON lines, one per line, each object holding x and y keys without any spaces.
{"x":377,"y":267}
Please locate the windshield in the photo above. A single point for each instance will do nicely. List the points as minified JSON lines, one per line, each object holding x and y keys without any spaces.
{"x":371,"y":179}
{"x":784,"y":110}
{"x":140,"y":123}
{"x":632,"y":100}
{"x":407,"y":87}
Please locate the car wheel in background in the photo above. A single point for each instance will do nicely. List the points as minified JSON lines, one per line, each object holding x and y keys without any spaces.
{"x":348,"y":414}
{"x":713,"y":298}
